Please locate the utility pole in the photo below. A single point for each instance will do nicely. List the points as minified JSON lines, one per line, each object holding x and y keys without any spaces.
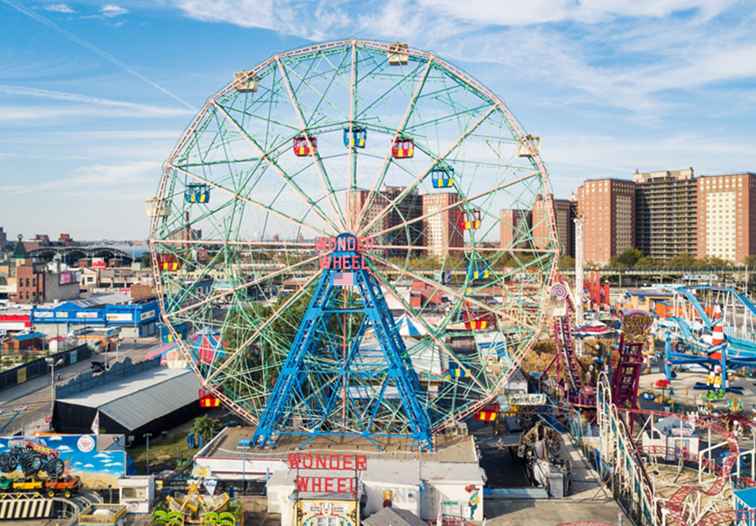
{"x":579,"y":256}
{"x":147,"y":453}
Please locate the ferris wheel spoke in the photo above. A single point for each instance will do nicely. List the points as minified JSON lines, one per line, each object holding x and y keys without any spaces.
{"x":325,"y":180}
{"x":352,"y":112}
{"x":384,"y":281}
{"x":272,"y":244}
{"x":281,"y":172}
{"x":511,"y":314}
{"x":257,"y":281}
{"x":259,"y":204}
{"x":272,"y":318}
{"x":399,"y":129}
{"x":420,"y":178}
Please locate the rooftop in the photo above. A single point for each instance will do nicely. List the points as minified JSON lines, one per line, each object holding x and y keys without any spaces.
{"x":137,"y":400}
{"x":448,"y":449}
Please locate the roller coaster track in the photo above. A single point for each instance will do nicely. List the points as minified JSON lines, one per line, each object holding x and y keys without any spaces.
{"x":681,"y":508}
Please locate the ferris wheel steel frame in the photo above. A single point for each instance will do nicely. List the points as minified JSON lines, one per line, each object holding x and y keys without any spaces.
{"x":224,"y":124}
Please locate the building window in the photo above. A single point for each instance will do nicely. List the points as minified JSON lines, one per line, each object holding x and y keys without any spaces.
{"x":134,"y":493}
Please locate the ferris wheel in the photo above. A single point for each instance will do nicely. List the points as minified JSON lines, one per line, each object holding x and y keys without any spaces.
{"x":353,"y":238}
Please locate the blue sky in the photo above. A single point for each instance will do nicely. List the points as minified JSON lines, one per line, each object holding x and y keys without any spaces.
{"x":93,"y":95}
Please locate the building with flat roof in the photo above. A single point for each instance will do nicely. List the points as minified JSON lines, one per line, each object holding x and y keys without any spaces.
{"x":441,"y":226}
{"x":564,"y":217}
{"x":727,"y":216}
{"x":514,"y":228}
{"x":362,"y":208}
{"x":666,"y":213}
{"x":150,"y":401}
{"x":607,"y":207}
{"x":135,"y":319}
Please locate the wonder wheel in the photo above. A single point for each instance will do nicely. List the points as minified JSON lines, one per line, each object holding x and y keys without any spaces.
{"x":353,"y":238}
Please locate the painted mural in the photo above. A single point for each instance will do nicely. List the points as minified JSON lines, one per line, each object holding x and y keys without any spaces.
{"x":98,"y":463}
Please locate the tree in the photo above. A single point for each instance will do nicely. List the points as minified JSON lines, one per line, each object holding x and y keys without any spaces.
{"x":628,"y":258}
{"x":566,"y":263}
{"x":750,"y":261}
{"x":205,"y":427}
{"x":647,"y":263}
{"x":167,"y":518}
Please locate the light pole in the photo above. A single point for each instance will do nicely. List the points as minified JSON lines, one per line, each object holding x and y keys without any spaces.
{"x":52,"y":363}
{"x":147,"y":453}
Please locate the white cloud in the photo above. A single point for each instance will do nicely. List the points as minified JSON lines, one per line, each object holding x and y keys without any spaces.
{"x":112,"y":10}
{"x":64,"y":448}
{"x":245,"y":13}
{"x":591,"y":11}
{"x":60,"y":8}
{"x":91,"y":106}
{"x":88,"y":465}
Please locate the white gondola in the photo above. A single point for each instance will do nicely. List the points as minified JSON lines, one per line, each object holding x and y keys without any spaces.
{"x":529,"y":146}
{"x":398,"y":54}
{"x":155,"y":207}
{"x":245,"y":82}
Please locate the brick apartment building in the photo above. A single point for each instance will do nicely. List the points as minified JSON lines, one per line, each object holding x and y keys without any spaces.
{"x":441,"y":228}
{"x":515,"y":226}
{"x":410,"y":207}
{"x":727,"y":216}
{"x":564,"y":216}
{"x":607,"y":207}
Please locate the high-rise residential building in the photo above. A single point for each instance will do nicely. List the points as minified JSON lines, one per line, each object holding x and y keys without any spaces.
{"x":441,"y":224}
{"x":409,"y":208}
{"x":564,"y":216}
{"x":665,"y":212}
{"x":607,"y":207}
{"x":727,"y":216}
{"x":514,"y":228}
{"x":3,"y":239}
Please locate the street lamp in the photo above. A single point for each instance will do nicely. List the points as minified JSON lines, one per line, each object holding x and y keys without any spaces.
{"x":52,"y":363}
{"x":147,"y":454}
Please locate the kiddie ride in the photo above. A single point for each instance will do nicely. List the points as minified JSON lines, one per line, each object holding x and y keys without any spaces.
{"x":712,"y":327}
{"x":32,"y":460}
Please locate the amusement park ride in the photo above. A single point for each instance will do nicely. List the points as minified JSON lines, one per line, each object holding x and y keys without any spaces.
{"x":329,"y":183}
{"x":712,"y":327}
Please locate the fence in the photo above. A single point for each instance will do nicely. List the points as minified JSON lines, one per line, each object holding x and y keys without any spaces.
{"x":35,"y":368}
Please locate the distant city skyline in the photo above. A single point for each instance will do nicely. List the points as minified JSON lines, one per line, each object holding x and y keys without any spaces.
{"x":93,"y":96}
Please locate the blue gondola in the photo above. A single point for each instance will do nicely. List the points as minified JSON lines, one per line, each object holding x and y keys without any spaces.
{"x":442,"y":176}
{"x":197,"y":193}
{"x":478,"y":270}
{"x":357,"y":137}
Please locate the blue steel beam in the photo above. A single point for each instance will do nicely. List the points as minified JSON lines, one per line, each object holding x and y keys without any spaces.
{"x":309,"y":345}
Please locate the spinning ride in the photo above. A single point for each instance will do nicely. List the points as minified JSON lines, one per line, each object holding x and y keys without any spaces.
{"x":321,"y":195}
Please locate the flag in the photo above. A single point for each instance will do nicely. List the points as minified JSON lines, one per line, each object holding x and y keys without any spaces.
{"x":343,"y":279}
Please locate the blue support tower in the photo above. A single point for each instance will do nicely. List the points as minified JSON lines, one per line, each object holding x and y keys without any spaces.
{"x":344,"y":267}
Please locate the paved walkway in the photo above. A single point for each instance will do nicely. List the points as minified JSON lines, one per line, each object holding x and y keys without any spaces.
{"x":588,"y":501}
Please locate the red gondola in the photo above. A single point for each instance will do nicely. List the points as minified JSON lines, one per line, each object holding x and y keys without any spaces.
{"x":403,"y":148}
{"x":169,"y":263}
{"x":305,"y":145}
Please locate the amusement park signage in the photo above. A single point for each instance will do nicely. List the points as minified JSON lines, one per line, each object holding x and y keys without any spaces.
{"x":347,"y":248}
{"x":526,"y":398}
{"x":329,"y":463}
